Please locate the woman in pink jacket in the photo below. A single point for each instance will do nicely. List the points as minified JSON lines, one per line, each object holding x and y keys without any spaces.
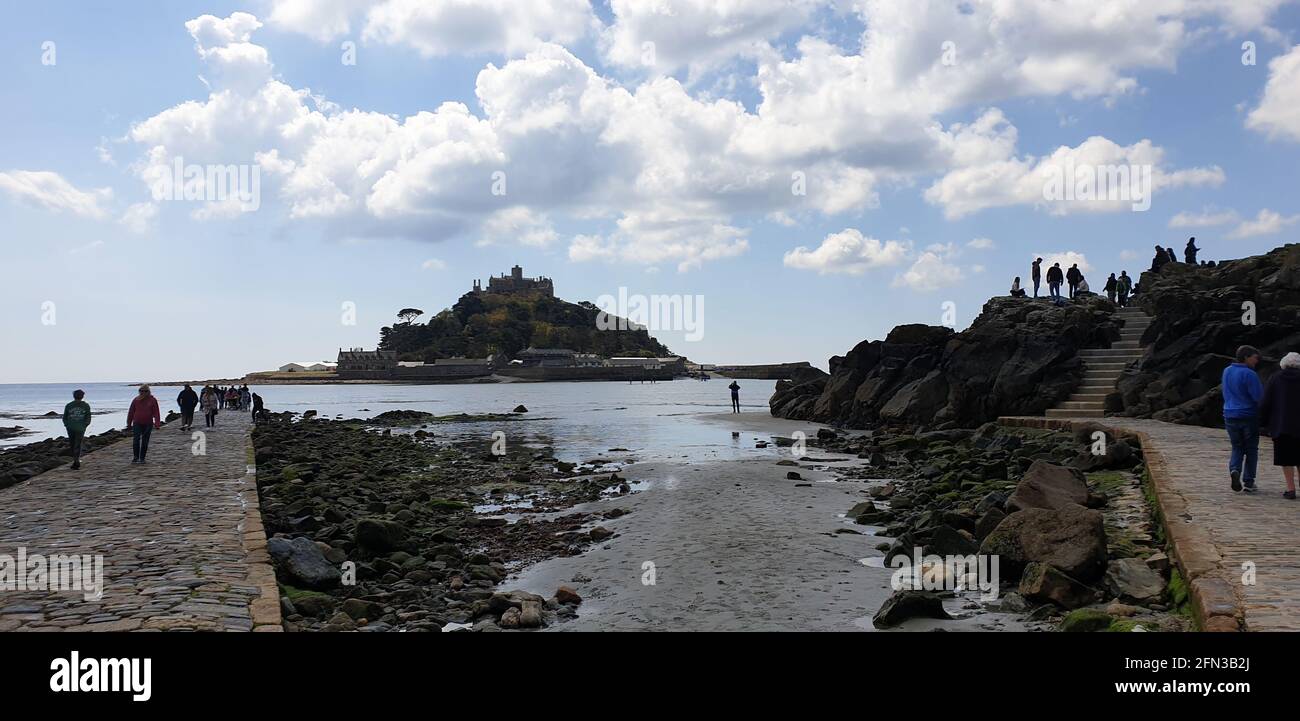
{"x":142,"y":417}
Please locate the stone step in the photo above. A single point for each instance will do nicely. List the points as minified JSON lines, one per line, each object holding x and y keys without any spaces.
{"x":1066,"y":413}
{"x":1079,"y":405}
{"x":1104,"y":365}
{"x":1103,"y":353}
{"x":1087,"y":398}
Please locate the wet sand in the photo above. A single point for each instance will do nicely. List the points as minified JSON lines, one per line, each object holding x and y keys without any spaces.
{"x":735,"y":546}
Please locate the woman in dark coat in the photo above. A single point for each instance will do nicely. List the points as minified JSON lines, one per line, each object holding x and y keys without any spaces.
{"x":1279,"y":415}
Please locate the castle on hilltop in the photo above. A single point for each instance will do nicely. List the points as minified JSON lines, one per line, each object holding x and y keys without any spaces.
{"x":516,"y":283}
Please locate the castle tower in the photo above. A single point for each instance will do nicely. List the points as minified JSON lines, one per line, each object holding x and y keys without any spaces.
{"x":517,"y":272}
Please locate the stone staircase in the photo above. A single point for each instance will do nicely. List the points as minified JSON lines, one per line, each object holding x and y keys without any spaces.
{"x":1102,"y":367}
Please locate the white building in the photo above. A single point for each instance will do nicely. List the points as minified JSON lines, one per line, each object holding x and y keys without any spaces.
{"x":300,"y":366}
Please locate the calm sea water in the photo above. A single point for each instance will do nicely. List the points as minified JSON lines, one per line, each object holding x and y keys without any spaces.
{"x":581,"y":420}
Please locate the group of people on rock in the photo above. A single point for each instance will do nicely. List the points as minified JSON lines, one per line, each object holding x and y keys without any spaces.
{"x":1165,"y":256}
{"x":143,"y":416}
{"x":1118,"y":288}
{"x":1250,"y":408}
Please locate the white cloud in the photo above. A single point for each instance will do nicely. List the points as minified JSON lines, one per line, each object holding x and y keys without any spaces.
{"x":1267,"y":222}
{"x":1115,"y":175}
{"x":1278,"y":113}
{"x":434,"y":264}
{"x":139,"y":217}
{"x":1065,"y":258}
{"x":932,"y":270}
{"x":1208,"y":217}
{"x":49,"y":190}
{"x":1128,"y":255}
{"x":518,"y":225}
{"x":440,"y":27}
{"x":982,"y":244}
{"x":661,"y":36}
{"x":849,"y":252}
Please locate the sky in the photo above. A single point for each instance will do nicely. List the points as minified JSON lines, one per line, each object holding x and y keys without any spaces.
{"x":808,"y":173}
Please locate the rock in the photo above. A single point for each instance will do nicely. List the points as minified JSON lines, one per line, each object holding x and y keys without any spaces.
{"x":1073,"y":539}
{"x":303,"y":563}
{"x":947,"y":541}
{"x":908,"y":604}
{"x":1085,"y":620}
{"x":1047,"y":485}
{"x":600,"y":533}
{"x":357,"y":609}
{"x":530,"y":614}
{"x":568,"y":596}
{"x":793,"y":476}
{"x":1158,"y":562}
{"x":520,"y":409}
{"x":376,"y":534}
{"x":987,"y":522}
{"x":1046,"y":584}
{"x":509,"y":619}
{"x":1131,"y":580}
{"x":1115,"y":608}
{"x":1016,"y":358}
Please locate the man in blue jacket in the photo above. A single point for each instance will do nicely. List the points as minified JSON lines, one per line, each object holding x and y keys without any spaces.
{"x":1242,"y":393}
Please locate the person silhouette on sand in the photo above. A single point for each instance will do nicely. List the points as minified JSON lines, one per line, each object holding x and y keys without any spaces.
{"x":735,"y":397}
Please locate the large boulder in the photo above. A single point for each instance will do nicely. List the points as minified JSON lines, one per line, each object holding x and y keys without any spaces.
{"x":1047,"y":485}
{"x":377,"y":534}
{"x":1047,"y":584}
{"x":908,"y":604}
{"x":302,"y":561}
{"x":1072,"y":538}
{"x":1131,"y":579}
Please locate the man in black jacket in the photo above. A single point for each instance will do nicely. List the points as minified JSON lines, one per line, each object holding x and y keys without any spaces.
{"x":1036,"y":273}
{"x":188,"y":400}
{"x":1073,"y":276}
{"x":1054,"y":278}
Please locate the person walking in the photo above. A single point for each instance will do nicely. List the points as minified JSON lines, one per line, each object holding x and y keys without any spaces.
{"x":1124,"y":285}
{"x":188,"y":400}
{"x":245,"y":397}
{"x":1073,"y":276}
{"x":76,"y":418}
{"x":1279,"y":416}
{"x":1242,"y":393}
{"x":211,"y":405}
{"x":1054,"y":279}
{"x":1036,"y":274}
{"x":735,"y":397}
{"x":1189,"y":253}
{"x":142,"y":418}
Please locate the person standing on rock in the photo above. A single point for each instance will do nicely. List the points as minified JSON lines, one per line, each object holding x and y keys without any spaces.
{"x":76,"y":418}
{"x":1242,"y":393}
{"x":211,"y":405}
{"x":1279,"y":415}
{"x":1173,"y":257}
{"x":257,"y":407}
{"x":735,"y":397}
{"x":1189,"y":253}
{"x":1112,"y":287}
{"x":1054,"y":279}
{"x":1073,"y":276}
{"x":1036,"y":274}
{"x":1124,"y":285}
{"x":188,"y":400}
{"x":142,"y":418}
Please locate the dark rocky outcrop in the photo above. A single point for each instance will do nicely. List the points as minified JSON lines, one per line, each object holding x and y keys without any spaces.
{"x":1197,"y":324}
{"x":1019,"y":357}
{"x":302,"y":561}
{"x":1047,"y":485}
{"x":1073,"y":539}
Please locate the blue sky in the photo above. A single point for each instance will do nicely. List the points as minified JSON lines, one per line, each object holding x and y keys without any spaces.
{"x":664,"y":177}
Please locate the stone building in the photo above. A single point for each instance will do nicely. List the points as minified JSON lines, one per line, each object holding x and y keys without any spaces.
{"x":516,"y":283}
